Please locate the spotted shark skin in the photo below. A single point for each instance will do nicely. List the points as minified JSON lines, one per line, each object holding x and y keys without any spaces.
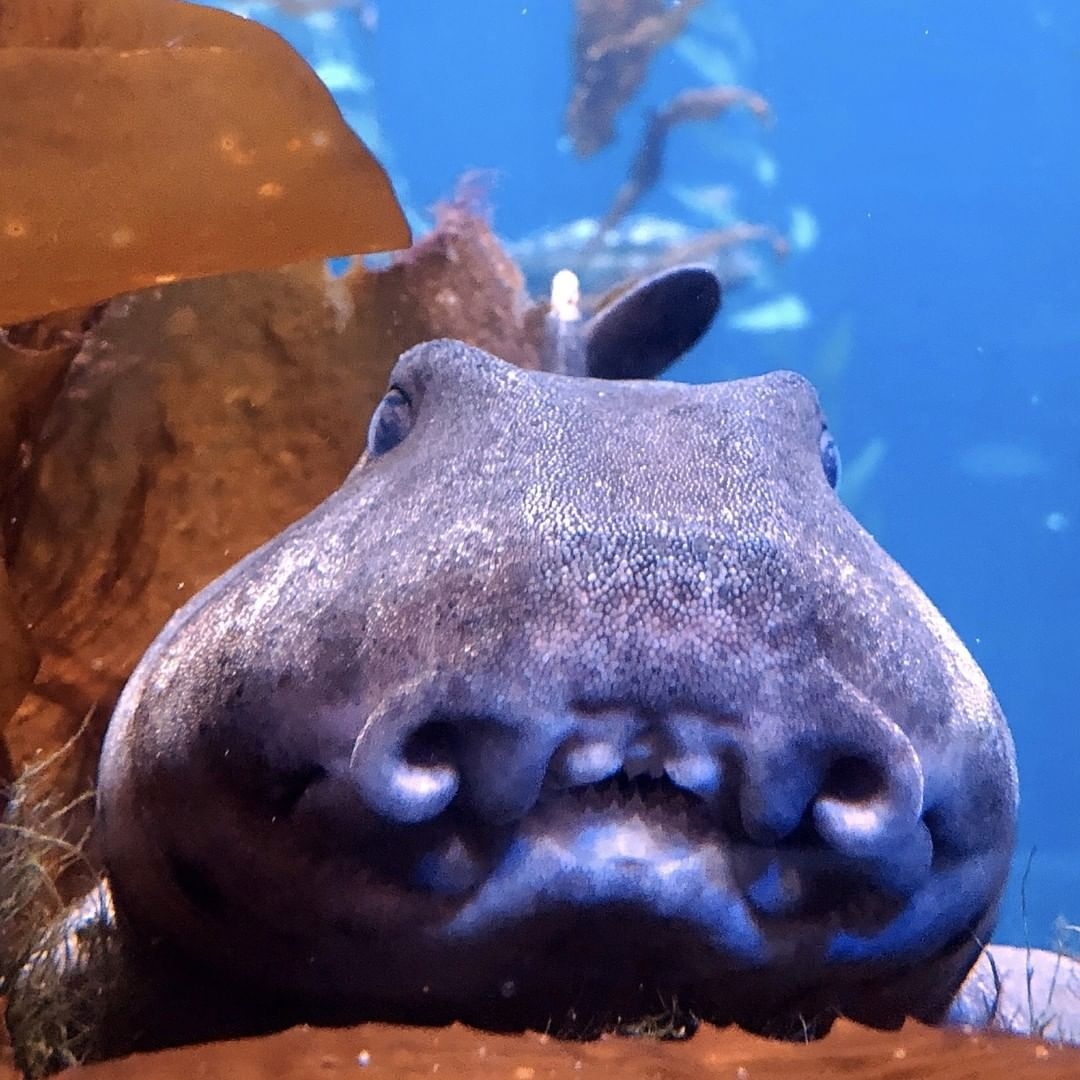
{"x":579,"y":696}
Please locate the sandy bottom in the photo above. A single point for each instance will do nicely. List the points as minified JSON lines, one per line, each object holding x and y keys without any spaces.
{"x":379,"y":1050}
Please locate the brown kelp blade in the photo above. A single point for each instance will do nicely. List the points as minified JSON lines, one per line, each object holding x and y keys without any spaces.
{"x":145,"y":141}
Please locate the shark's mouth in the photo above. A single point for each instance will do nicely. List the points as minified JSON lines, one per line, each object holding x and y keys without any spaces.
{"x":619,"y":856}
{"x":640,"y":842}
{"x":625,"y":842}
{"x":615,"y":896}
{"x":818,"y":845}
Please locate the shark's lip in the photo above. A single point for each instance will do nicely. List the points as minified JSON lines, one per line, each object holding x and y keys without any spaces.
{"x":615,"y":861}
{"x":606,"y":859}
{"x":582,"y":852}
{"x":617,"y":893}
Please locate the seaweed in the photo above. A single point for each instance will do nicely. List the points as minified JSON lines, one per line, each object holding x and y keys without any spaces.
{"x":18,"y":662}
{"x":148,"y":141}
{"x":61,"y":991}
{"x":614,"y":43}
{"x":34,"y":360}
{"x":456,"y":282}
{"x":43,"y":948}
{"x":647,"y":166}
{"x":199,"y":420}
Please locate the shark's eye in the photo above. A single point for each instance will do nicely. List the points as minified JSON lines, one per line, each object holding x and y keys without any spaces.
{"x":391,"y":422}
{"x":830,"y":457}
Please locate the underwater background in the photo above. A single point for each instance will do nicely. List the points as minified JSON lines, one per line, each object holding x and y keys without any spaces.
{"x":922,"y":167}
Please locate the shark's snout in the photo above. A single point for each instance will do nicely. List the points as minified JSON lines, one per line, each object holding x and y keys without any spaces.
{"x":574,"y":683}
{"x":842,"y":795}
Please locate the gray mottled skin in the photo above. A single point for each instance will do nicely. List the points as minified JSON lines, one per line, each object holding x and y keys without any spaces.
{"x":578,"y":697}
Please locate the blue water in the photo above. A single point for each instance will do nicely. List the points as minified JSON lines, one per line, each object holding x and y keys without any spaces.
{"x":937,"y":148}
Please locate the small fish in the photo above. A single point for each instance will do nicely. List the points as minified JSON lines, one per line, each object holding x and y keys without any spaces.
{"x":788,"y":312}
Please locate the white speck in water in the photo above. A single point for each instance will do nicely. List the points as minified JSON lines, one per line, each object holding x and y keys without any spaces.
{"x":787,"y":312}
{"x":363,"y":1059}
{"x":804,"y":230}
{"x":1056,"y":521}
{"x":338,"y":76}
{"x":322,"y":22}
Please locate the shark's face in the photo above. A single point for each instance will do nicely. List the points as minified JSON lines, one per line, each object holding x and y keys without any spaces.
{"x":577,"y":698}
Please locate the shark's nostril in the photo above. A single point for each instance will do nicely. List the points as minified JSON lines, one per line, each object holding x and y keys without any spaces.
{"x":424,"y":779}
{"x":407,"y":779}
{"x":431,"y":745}
{"x":845,"y":803}
{"x":858,"y":785}
{"x":418,"y":794}
{"x":412,"y":758}
{"x":854,"y":780}
{"x":866,"y":808}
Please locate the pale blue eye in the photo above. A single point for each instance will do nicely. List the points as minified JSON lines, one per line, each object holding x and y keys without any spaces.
{"x":392,"y":421}
{"x":830,"y":458}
